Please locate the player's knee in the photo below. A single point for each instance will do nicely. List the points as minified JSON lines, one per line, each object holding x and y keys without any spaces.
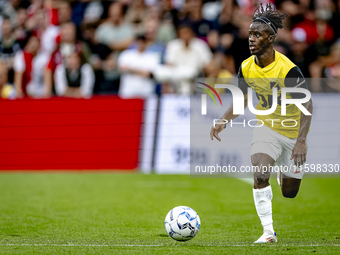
{"x":255,"y":160}
{"x":260,"y":181}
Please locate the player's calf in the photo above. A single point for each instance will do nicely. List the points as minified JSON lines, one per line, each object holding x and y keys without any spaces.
{"x":290,"y":187}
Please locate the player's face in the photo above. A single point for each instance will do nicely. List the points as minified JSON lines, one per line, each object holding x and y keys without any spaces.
{"x":259,"y":38}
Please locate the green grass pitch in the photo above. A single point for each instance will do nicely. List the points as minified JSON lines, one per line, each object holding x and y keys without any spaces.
{"x":117,"y":213}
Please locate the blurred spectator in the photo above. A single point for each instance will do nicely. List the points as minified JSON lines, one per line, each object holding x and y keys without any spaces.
{"x":110,"y":82}
{"x":215,"y":68}
{"x":23,"y":68}
{"x":136,"y":14}
{"x":137,"y":66}
{"x":64,"y":12}
{"x":7,"y":9}
{"x":163,"y":27}
{"x":239,"y":49}
{"x":168,"y":12}
{"x":75,"y":78}
{"x":68,"y":45}
{"x":21,"y":31}
{"x":335,"y":21}
{"x":332,"y":70}
{"x":216,"y":72}
{"x":193,"y":15}
{"x":102,"y":61}
{"x":46,"y":32}
{"x":151,"y":28}
{"x":8,"y":46}
{"x":6,"y":90}
{"x":186,"y":58}
{"x":212,"y":9}
{"x":316,"y":27}
{"x":35,"y":6}
{"x":224,"y":30}
{"x":300,"y":52}
{"x":115,"y":33}
{"x":93,"y":12}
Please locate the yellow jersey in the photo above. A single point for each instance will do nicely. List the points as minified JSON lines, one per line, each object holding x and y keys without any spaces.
{"x":280,"y":73}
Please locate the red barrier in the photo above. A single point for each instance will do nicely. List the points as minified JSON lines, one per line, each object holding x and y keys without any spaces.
{"x":75,"y":134}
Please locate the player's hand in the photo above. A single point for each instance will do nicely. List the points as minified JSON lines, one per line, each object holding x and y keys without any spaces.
{"x":299,"y":153}
{"x":216,"y":130}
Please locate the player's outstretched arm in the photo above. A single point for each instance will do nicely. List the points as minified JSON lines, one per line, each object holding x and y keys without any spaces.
{"x":294,"y":78}
{"x":228,"y":116}
{"x":299,"y":152}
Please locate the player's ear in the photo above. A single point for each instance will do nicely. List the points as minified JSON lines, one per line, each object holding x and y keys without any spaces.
{"x":271,"y":38}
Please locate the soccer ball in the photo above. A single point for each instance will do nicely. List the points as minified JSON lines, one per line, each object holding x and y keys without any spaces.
{"x":182,"y":223}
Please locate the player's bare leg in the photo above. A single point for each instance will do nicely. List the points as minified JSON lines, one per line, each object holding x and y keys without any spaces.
{"x":289,"y":186}
{"x":263,"y":195}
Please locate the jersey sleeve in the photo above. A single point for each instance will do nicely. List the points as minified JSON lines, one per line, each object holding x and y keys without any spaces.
{"x":295,"y":79}
{"x":242,"y":84}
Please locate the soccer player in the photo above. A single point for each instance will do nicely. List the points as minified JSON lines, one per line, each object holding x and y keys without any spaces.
{"x":272,"y":144}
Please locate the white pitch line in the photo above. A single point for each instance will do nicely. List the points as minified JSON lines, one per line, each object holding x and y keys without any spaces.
{"x":161,"y":245}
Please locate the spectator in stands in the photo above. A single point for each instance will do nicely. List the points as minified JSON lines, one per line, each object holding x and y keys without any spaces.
{"x":300,"y":52}
{"x":75,"y":78}
{"x":162,"y":27}
{"x":93,"y":12}
{"x":223,"y":28}
{"x":185,"y":59}
{"x":238,"y":51}
{"x":332,"y":70}
{"x":216,"y":72}
{"x":151,"y":27}
{"x":46,"y":32}
{"x":8,"y":46}
{"x":199,"y":25}
{"x":6,"y":90}
{"x":23,"y":69}
{"x":35,"y":6}
{"x":137,"y":66}
{"x":64,"y":12}
{"x":22,"y":31}
{"x":168,"y":12}
{"x":107,"y":75}
{"x":68,"y":44}
{"x":8,"y":10}
{"x":136,"y":14}
{"x":111,"y":75}
{"x":115,"y":33}
{"x":316,"y":27}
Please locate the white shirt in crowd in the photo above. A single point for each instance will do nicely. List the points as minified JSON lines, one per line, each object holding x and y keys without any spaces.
{"x":86,"y":83}
{"x":107,"y":33}
{"x":48,"y":40}
{"x":196,"y":55}
{"x":133,"y":85}
{"x":184,"y":63}
{"x":34,"y":87}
